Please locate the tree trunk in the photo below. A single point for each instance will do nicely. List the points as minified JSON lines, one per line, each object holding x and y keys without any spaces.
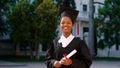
{"x":117,"y":41}
{"x":109,"y":52}
{"x":17,"y":49}
{"x":37,"y":56}
{"x":31,"y":52}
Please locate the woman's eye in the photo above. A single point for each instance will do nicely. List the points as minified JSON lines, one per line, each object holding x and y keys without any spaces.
{"x":68,"y":23}
{"x":62,"y":22}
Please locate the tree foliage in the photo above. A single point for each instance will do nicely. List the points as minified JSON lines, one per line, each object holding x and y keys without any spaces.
{"x":4,"y":9}
{"x":107,"y":24}
{"x":33,"y":22}
{"x":49,"y":20}
{"x":20,"y":21}
{"x":28,"y":21}
{"x":67,"y":3}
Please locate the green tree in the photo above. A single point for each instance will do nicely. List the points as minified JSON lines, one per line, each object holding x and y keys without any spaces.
{"x":33,"y":24}
{"x":47,"y":12}
{"x":108,"y":23}
{"x":20,"y":21}
{"x":37,"y":2}
{"x":5,"y":8}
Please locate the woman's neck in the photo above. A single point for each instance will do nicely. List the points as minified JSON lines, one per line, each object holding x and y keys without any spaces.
{"x":67,"y":34}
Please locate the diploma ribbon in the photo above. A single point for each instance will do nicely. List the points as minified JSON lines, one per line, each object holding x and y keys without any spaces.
{"x":65,"y":56}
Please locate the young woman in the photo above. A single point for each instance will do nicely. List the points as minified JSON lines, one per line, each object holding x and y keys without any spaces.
{"x":57,"y":53}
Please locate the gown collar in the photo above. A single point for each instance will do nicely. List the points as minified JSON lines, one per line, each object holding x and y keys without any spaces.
{"x":65,"y":41}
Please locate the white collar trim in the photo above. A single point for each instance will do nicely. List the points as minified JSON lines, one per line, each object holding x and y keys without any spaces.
{"x":65,"y":41}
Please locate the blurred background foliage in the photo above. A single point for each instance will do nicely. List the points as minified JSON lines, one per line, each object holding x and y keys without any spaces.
{"x":33,"y":22}
{"x":4,"y":9}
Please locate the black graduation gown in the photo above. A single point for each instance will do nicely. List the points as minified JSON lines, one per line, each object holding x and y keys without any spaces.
{"x":81,"y":59}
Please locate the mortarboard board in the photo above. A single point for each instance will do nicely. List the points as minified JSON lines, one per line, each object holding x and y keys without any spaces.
{"x":65,"y":11}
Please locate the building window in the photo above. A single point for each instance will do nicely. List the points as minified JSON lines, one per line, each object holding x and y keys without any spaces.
{"x":85,"y":29}
{"x":85,"y":34}
{"x":85,"y":8}
{"x":93,"y":9}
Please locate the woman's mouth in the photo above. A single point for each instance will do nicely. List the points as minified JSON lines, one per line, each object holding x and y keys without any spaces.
{"x":65,"y":28}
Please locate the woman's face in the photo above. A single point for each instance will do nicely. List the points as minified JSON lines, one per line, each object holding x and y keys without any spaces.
{"x":66,"y":25}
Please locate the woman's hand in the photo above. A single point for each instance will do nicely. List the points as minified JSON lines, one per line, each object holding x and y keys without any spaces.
{"x":57,"y":64}
{"x":66,"y":61}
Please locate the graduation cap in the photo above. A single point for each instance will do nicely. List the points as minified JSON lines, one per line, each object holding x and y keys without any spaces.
{"x":65,"y":11}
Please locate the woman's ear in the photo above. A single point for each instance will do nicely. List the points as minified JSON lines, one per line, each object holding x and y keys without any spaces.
{"x":73,"y":25}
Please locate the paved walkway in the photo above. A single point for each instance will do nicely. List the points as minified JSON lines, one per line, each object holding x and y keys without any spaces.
{"x":96,"y":64}
{"x":106,"y":64}
{"x":4,"y":64}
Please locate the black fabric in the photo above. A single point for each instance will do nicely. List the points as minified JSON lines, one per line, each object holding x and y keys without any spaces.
{"x":82,"y":59}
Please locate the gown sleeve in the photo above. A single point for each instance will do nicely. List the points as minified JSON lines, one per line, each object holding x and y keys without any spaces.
{"x":84,"y":58}
{"x":49,"y":58}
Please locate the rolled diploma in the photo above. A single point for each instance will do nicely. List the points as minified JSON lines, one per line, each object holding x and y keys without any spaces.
{"x":71,"y":53}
